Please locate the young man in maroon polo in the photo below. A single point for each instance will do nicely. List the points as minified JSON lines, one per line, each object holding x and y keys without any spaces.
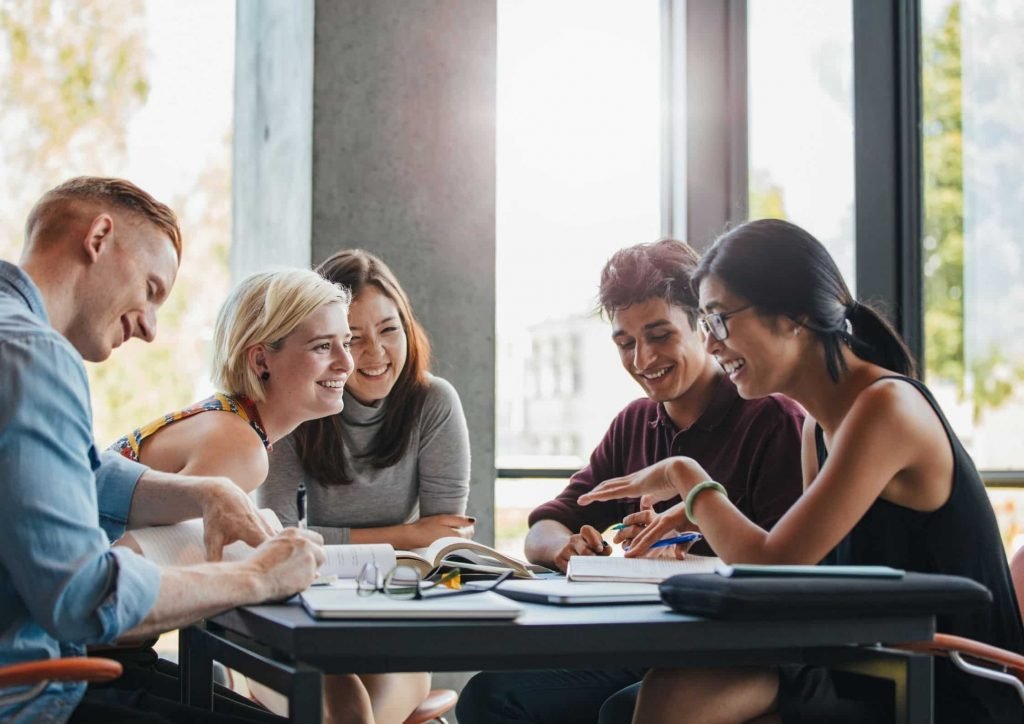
{"x":691,"y":408}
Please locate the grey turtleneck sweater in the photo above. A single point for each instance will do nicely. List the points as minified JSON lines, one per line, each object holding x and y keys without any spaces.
{"x":431,"y":479}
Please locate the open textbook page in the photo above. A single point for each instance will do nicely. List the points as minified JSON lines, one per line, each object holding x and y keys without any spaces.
{"x":636,"y":570}
{"x":455,"y":552}
{"x":181,"y":544}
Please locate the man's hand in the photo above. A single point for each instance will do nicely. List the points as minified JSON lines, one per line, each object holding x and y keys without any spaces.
{"x":588,"y":542}
{"x":229,"y":515}
{"x":288,"y":562}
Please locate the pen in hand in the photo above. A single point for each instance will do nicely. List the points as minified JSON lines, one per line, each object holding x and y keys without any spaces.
{"x":690,"y":537}
{"x":300,"y":504}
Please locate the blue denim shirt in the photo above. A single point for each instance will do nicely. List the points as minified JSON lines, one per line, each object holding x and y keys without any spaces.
{"x":61,"y":584}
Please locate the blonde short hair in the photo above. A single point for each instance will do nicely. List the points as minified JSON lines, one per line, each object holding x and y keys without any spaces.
{"x":264,"y":308}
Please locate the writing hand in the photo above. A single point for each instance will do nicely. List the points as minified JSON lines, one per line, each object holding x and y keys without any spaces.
{"x":288,"y":562}
{"x":588,"y":542}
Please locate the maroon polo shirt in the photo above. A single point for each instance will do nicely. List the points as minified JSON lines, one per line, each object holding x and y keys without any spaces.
{"x":752,"y":447}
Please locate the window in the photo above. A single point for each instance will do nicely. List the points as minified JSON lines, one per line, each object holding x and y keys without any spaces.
{"x":972,"y":253}
{"x":149,"y":98}
{"x":578,"y":172}
{"x":800,"y":96}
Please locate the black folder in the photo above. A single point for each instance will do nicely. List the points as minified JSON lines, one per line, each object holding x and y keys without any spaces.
{"x":788,"y":598}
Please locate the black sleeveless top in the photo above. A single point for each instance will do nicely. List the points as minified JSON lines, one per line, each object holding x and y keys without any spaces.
{"x":960,"y":538}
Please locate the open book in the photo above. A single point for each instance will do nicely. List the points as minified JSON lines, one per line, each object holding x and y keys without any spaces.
{"x":182,"y":545}
{"x":468,"y":555}
{"x":636,"y":570}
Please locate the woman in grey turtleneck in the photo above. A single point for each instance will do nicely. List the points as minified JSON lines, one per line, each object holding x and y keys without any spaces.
{"x":393,"y":466}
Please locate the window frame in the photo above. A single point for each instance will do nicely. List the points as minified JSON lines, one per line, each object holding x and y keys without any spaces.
{"x":704,"y":55}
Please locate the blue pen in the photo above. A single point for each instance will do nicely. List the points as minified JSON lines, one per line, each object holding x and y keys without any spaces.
{"x":684,"y":538}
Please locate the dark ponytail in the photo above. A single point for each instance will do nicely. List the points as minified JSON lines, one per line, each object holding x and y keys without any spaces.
{"x":874,"y":339}
{"x":783,"y":270}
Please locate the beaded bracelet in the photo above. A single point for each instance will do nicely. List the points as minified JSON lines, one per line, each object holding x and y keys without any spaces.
{"x":699,"y":488}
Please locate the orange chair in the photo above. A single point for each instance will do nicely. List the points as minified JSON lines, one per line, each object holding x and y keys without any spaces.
{"x":974,"y":657}
{"x":37,"y":674}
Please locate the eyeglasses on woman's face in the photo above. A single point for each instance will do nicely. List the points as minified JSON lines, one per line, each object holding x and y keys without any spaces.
{"x":714,"y":325}
{"x":406,"y":582}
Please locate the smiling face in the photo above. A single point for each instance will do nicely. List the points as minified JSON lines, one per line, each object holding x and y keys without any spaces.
{"x":118,"y":299}
{"x":658,"y":348}
{"x":309,"y":370}
{"x":379,"y":345}
{"x":760,"y":354}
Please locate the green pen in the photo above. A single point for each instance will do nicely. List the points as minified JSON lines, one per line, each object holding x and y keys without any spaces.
{"x":619,"y":526}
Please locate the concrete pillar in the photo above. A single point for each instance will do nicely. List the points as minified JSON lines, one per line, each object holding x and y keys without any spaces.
{"x":272,"y":178}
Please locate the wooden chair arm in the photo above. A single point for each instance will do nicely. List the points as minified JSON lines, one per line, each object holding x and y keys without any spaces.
{"x":72,"y":668}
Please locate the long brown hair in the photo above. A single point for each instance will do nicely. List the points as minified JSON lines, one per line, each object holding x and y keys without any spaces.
{"x":318,"y":442}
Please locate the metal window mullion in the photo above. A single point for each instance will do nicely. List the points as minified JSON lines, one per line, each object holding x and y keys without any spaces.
{"x":673,"y":118}
{"x":887,"y":151}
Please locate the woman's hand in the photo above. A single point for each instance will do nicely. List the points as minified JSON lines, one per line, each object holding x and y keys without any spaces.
{"x":664,"y":480}
{"x":655,"y":526}
{"x":427,"y":530}
{"x":670,"y":523}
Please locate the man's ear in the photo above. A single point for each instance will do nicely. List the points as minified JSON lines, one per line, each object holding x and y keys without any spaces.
{"x":99,"y":236}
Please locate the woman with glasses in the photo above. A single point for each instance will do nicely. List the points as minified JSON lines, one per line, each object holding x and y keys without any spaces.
{"x":393,"y":466}
{"x":886,"y":480}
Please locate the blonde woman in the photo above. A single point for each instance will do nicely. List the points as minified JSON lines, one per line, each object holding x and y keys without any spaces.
{"x":281,"y":357}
